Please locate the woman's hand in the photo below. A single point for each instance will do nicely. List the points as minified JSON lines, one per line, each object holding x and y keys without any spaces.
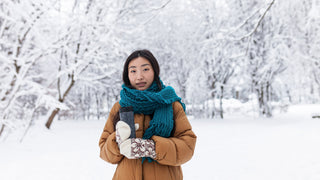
{"x":135,"y":148}
{"x":123,"y":131}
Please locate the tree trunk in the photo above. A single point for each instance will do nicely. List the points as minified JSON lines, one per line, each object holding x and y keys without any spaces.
{"x":2,"y":129}
{"x":260,"y":99}
{"x":213,"y":113}
{"x":98,"y":106}
{"x":213,"y":85}
{"x":267,"y":103}
{"x":15,"y":63}
{"x":221,"y":97}
{"x":213,"y":109}
{"x":53,"y":114}
{"x":289,"y":96}
{"x":237,"y":95}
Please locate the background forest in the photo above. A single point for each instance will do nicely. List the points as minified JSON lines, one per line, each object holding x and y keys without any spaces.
{"x":63,"y":59}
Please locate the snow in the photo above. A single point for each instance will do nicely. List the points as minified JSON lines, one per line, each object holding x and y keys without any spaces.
{"x":239,"y":147}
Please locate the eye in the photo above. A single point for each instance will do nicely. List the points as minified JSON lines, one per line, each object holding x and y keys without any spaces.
{"x":146,"y":69}
{"x":132,"y":71}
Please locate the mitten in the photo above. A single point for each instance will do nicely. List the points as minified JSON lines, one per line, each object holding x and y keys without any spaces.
{"x":135,"y":148}
{"x":123,"y":131}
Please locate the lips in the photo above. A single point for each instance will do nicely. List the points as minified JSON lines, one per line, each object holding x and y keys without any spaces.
{"x":141,"y":84}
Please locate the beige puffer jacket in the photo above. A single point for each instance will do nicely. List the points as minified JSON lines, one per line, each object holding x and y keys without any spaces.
{"x":171,"y":152}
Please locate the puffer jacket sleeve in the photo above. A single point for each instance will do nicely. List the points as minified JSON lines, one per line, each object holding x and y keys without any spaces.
{"x":179,"y":148}
{"x":109,"y":150}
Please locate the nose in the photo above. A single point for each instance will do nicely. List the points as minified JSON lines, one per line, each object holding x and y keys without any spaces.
{"x":139,"y":76}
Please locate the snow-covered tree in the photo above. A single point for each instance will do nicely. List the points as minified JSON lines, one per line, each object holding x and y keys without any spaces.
{"x":23,"y":47}
{"x":65,"y":58}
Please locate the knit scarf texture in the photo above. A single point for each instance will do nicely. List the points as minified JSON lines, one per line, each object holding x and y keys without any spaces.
{"x":152,"y":101}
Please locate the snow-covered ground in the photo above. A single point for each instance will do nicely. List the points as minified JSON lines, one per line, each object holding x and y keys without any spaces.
{"x":239,"y":147}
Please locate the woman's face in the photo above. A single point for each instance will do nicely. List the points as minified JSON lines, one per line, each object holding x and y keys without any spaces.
{"x":141,"y":74}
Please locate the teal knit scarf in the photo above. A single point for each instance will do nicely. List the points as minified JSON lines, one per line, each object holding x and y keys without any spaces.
{"x":152,"y":101}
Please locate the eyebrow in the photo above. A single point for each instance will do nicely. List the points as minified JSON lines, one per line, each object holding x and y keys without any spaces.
{"x":141,"y":66}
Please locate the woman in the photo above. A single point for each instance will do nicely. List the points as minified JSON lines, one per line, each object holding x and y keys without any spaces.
{"x":163,"y":135}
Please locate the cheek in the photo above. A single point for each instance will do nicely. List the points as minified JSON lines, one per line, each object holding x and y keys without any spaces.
{"x":151,"y":76}
{"x":131,"y":78}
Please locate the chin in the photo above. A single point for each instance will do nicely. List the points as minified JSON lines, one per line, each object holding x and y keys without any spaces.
{"x":141,"y":88}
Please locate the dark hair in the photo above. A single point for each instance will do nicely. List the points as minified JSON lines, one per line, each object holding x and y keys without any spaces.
{"x":125,"y":77}
{"x":147,"y":55}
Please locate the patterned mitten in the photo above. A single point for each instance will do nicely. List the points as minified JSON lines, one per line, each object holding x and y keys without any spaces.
{"x":135,"y":148}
